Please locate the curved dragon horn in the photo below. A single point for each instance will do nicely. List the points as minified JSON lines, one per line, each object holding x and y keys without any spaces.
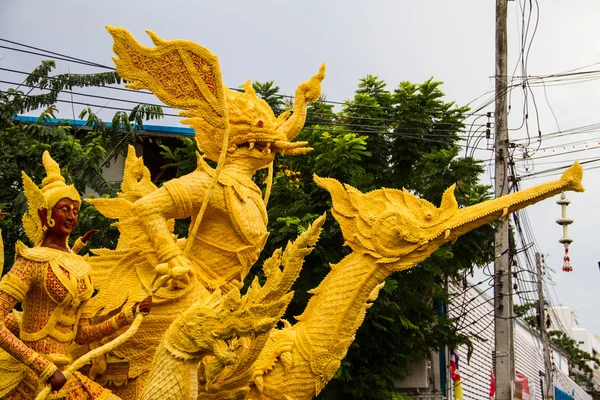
{"x":306,"y":92}
{"x":449,"y":203}
{"x":339,"y":195}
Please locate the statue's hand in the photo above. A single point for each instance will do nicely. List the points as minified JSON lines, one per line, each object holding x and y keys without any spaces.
{"x":174,"y":274}
{"x":144,"y":306}
{"x":57,"y":380}
{"x":88,"y":235}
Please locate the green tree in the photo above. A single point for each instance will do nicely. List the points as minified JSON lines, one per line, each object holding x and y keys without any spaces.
{"x":581,"y":363}
{"x":370,"y":113}
{"x":81,"y":152}
{"x":408,"y":138}
{"x":270,"y":93}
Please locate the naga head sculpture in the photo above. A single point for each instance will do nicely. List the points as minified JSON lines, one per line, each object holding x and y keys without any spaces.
{"x":400,"y":230}
{"x":187,"y":76}
{"x":255,"y":132}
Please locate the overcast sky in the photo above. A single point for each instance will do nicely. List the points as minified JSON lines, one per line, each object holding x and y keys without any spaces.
{"x":397,"y":40}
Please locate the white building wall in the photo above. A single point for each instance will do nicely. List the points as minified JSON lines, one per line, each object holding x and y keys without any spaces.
{"x":562,"y":318}
{"x":475,"y":312}
{"x":114,"y":172}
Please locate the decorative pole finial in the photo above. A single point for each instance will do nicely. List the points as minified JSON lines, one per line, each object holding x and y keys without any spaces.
{"x":565,"y":240}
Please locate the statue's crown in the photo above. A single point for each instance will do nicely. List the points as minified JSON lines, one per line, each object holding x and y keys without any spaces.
{"x":52,"y":191}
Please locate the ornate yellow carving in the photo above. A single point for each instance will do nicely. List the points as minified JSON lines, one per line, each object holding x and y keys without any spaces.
{"x":180,"y":73}
{"x":232,"y":231}
{"x":388,"y":230}
{"x":204,"y":340}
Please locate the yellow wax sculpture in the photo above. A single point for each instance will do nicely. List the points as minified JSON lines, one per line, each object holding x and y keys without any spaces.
{"x":202,"y":339}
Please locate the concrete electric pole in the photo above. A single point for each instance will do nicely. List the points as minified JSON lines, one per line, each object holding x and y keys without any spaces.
{"x":503,"y":317}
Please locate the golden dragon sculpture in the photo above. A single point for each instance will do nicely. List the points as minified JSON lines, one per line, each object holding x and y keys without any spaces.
{"x":203,"y":340}
{"x":235,"y":129}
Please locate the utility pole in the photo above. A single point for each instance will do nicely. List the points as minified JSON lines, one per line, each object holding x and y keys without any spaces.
{"x":548,"y":389}
{"x":503,"y":316}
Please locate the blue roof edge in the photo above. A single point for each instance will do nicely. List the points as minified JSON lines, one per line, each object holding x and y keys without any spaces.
{"x":155,"y":129}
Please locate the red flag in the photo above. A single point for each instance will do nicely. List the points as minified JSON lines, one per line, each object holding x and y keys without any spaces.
{"x":492,"y":385}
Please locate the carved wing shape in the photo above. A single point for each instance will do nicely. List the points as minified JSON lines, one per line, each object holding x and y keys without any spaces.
{"x":31,"y":221}
{"x":181,"y":73}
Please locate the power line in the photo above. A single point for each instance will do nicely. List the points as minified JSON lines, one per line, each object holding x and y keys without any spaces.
{"x":94,"y":64}
{"x":568,"y":132}
{"x":44,"y":55}
{"x":561,"y":168}
{"x":58,"y":54}
{"x":556,"y":154}
{"x":381,"y":119}
{"x":86,"y":104}
{"x":430,"y":132}
{"x":95,"y":96}
{"x":407,"y":135}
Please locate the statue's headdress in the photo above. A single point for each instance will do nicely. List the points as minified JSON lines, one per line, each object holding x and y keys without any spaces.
{"x":53,"y":189}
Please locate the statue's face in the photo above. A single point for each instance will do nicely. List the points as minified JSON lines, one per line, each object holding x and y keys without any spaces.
{"x":65,"y":215}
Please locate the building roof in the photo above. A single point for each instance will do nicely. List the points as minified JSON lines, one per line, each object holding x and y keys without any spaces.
{"x":152,"y":130}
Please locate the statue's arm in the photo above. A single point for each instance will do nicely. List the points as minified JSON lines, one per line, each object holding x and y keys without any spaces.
{"x":13,"y":289}
{"x":12,"y":323}
{"x":178,"y":199}
{"x":81,"y":242}
{"x":87,"y":333}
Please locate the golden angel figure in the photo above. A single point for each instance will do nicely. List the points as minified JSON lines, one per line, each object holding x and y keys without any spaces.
{"x":53,"y":285}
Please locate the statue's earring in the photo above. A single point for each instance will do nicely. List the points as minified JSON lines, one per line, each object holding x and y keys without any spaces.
{"x":44,"y":220}
{"x":51,"y":222}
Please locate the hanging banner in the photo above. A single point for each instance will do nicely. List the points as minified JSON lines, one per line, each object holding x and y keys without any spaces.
{"x":521,"y":391}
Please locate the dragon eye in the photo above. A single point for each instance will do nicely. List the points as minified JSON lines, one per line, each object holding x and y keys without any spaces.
{"x":260,"y":123}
